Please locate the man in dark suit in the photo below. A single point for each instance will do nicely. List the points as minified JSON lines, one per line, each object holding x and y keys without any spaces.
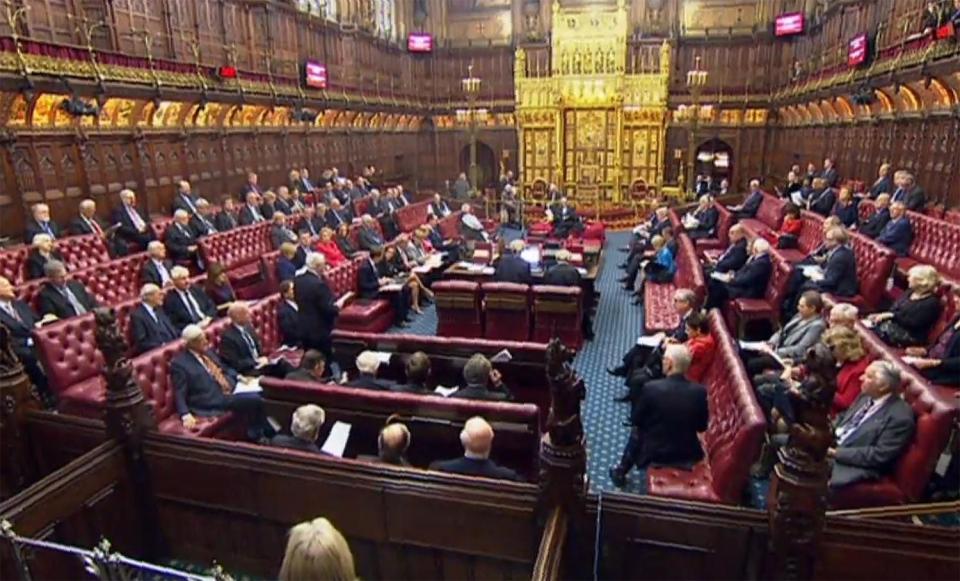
{"x":226,"y":218}
{"x":874,"y":225}
{"x":368,"y":363}
{"x":184,"y":199}
{"x":511,"y":267}
{"x":202,"y":223}
{"x":187,"y":304}
{"x":908,"y":192}
{"x":749,"y":207}
{"x":565,"y":274}
{"x":638,"y":356}
{"x":318,"y":306}
{"x":392,"y":444}
{"x":872,"y":434}
{"x":337,"y":215}
{"x":565,"y":219}
{"x":667,"y":416}
{"x":87,"y":222}
{"x":62,"y":298}
{"x":280,"y":232}
{"x":179,"y":239}
{"x":133,"y":227}
{"x":375,"y":205}
{"x":156,"y":268}
{"x":149,"y":325}
{"x":438,"y":207}
{"x":822,"y":199}
{"x":368,"y":238}
{"x":482,"y":381}
{"x":250,"y":212}
{"x":829,"y":173}
{"x":20,"y":321}
{"x":884,"y":183}
{"x":204,"y":387}
{"x":735,"y":256}
{"x":252,"y":186}
{"x":748,"y":282}
{"x":477,"y":440}
{"x":268,"y":206}
{"x":313,"y":368}
{"x":417,"y":370}
{"x":40,"y":223}
{"x":242,"y":349}
{"x":838,"y":271}
{"x":311,"y":223}
{"x":288,"y":316}
{"x":304,"y":430}
{"x":702,"y":222}
{"x":898,"y":232}
{"x":283,"y":202}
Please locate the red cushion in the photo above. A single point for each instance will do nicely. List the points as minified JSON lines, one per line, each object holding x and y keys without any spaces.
{"x":506,"y":311}
{"x":459,"y":311}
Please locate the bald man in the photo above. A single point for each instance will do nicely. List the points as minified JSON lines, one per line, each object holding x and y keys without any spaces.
{"x":477,"y":440}
{"x":392,"y":445}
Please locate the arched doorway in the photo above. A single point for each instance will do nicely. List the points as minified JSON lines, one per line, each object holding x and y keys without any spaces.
{"x":715,"y":158}
{"x":486,"y":164}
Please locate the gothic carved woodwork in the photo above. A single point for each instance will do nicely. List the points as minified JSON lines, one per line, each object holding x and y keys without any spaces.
{"x":17,"y":396}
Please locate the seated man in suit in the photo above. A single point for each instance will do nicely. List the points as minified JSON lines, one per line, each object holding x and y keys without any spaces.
{"x":873,"y":432}
{"x":156,"y":268}
{"x":187,"y":304}
{"x":149,"y":326}
{"x":311,"y":223}
{"x":645,"y":231}
{"x":368,"y":363}
{"x":874,"y":225}
{"x":477,"y":440}
{"x":282,"y":203}
{"x":846,"y":208}
{"x":179,"y":239}
{"x":87,"y":222}
{"x":20,"y":321}
{"x":438,"y":207}
{"x":226,"y":218}
{"x":304,"y":429}
{"x":373,"y":278}
{"x":250,"y":213}
{"x":482,"y":381}
{"x":908,"y":192}
{"x":242,"y":349}
{"x":565,"y":219}
{"x":185,"y":199}
{"x":666,"y":418}
{"x":510,"y":267}
{"x":792,"y":341}
{"x":837,"y":275}
{"x":133,"y":227}
{"x":565,"y":274}
{"x":392,"y":444}
{"x":338,"y":214}
{"x":252,"y":185}
{"x":288,"y":316}
{"x":62,"y":298}
{"x":368,"y":237}
{"x":280,"y":232}
{"x":736,"y":254}
{"x":750,"y":205}
{"x":638,"y":356}
{"x":748,"y":282}
{"x":375,"y":206}
{"x":822,"y":199}
{"x":898,"y":232}
{"x":201,"y":223}
{"x":941,"y":362}
{"x":829,"y":173}
{"x":41,"y":252}
{"x":417,"y":370}
{"x":313,"y":368}
{"x":470,"y":227}
{"x":40,"y":223}
{"x":204,"y":387}
{"x":883,"y":184}
{"x":702,"y":222}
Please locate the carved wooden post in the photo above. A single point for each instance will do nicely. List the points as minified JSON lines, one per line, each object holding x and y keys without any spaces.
{"x":128,"y":419}
{"x":797,"y":500}
{"x":17,"y":396}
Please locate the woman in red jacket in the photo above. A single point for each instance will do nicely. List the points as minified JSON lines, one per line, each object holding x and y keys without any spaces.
{"x":702,"y":346}
{"x":848,"y":350}
{"x":789,"y":230}
{"x":327,"y":246}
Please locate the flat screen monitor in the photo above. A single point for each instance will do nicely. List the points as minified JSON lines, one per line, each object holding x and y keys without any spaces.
{"x":788,"y":24}
{"x":314,"y":75}
{"x":857,"y":50}
{"x":420,"y":42}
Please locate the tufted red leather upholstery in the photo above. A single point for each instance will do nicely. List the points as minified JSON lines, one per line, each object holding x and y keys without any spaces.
{"x":659,"y":314}
{"x":12,"y":261}
{"x":268,"y":272}
{"x":459,"y":312}
{"x":734,"y":433}
{"x":506,"y":309}
{"x":875,"y":264}
{"x":115,"y":281}
{"x":450,"y":226}
{"x":81,"y":252}
{"x":558,"y":312}
{"x":768,"y":218}
{"x":741,"y":311}
{"x":372,"y":316}
{"x":239,"y":250}
{"x":412,"y":216}
{"x":936,"y":412}
{"x":360,"y":205}
{"x":811,"y":236}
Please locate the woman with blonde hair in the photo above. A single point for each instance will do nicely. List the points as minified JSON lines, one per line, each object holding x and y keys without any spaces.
{"x":317,"y":550}
{"x":914,"y":314}
{"x":851,"y":356}
{"x":286,"y":262}
{"x":327,"y":246}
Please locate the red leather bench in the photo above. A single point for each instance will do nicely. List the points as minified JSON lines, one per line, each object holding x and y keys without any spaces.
{"x":936,"y":411}
{"x":450,"y":226}
{"x":239,"y":250}
{"x":12,"y":261}
{"x":768,"y":217}
{"x":506,"y":311}
{"x":115,"y":281}
{"x":734,"y":433}
{"x":659,"y":314}
{"x":412,"y":216}
{"x":875,"y":264}
{"x":80,"y":252}
{"x":558,"y":312}
{"x":743,"y":310}
{"x":372,"y":316}
{"x":725,"y":220}
{"x":459,"y":311}
{"x":811,"y":236}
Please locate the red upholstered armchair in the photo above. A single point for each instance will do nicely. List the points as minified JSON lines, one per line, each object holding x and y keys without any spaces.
{"x":506,"y":308}
{"x":459,"y":312}
{"x":742,"y":311}
{"x":239,"y":250}
{"x":558,"y":312}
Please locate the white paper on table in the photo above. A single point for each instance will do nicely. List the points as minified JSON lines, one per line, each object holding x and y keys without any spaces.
{"x":464,"y":264}
{"x":502,"y":357}
{"x":390,"y":287}
{"x":582,"y":271}
{"x":489,"y":270}
{"x":252,"y":386}
{"x":421,"y":269}
{"x":383,"y":357}
{"x":445,"y":391}
{"x":721,"y":276}
{"x":650,"y":340}
{"x":812,"y":271}
{"x":754,"y":346}
{"x":337,"y":440}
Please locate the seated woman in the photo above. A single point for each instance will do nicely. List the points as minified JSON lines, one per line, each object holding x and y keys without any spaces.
{"x":40,"y":254}
{"x":328,"y":247}
{"x":399,"y":268}
{"x":848,"y":351}
{"x":941,"y":362}
{"x":411,"y":254}
{"x":914,"y":314}
{"x":789,"y":230}
{"x":845,"y":208}
{"x":286,"y":262}
{"x":218,"y":287}
{"x":660,"y":269}
{"x":347,"y":248}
